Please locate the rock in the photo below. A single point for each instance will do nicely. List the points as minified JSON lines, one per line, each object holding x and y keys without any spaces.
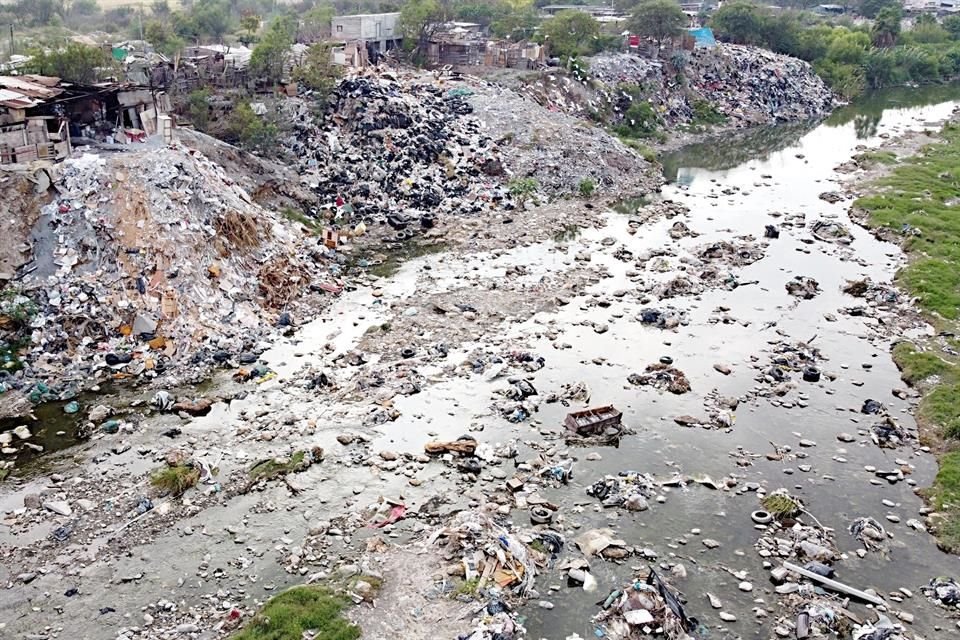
{"x":845,"y":437}
{"x":389,"y":455}
{"x":187,"y":627}
{"x":745,"y":586}
{"x":26,"y":578}
{"x":346,"y":439}
{"x":724,"y":369}
{"x":364,"y":589}
{"x":61,"y":507}
{"x":31,"y":501}
{"x":22,"y":432}
{"x":99,"y":413}
{"x":86,"y":505}
{"x":710,"y":543}
{"x":544,"y":604}
{"x":348,"y":570}
{"x":727,"y":617}
{"x":636,"y":502}
{"x":593,"y":456}
{"x":714,"y":601}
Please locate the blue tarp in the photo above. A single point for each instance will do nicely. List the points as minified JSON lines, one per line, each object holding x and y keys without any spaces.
{"x":703,"y":37}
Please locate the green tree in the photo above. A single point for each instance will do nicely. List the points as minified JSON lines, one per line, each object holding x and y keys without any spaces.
{"x":77,"y":63}
{"x":198,"y":108}
{"x":160,"y":8}
{"x":739,"y":22}
{"x":84,"y":8}
{"x":658,"y":19}
{"x":316,"y":23}
{"x":318,"y":72}
{"x":886,"y":28}
{"x":952,"y":24}
{"x":249,"y":129}
{"x":270,"y":54}
{"x":212,"y":17}
{"x":419,"y":20}
{"x":571,"y":33}
{"x":162,"y":36}
{"x":514,"y":20}
{"x":872,"y":8}
{"x":249,"y":23}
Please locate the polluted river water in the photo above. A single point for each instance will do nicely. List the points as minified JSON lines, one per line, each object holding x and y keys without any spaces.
{"x":731,"y":191}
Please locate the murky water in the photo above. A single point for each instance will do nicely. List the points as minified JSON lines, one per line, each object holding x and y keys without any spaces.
{"x":724,"y":186}
{"x":800,"y":166}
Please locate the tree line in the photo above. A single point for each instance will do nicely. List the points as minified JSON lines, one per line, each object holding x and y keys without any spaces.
{"x":850,"y":57}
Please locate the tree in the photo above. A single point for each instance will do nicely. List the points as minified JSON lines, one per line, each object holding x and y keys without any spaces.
{"x":739,"y":22}
{"x":886,"y":28}
{"x":571,"y":33}
{"x":318,"y":72}
{"x":872,"y":8}
{"x":162,"y":36}
{"x":419,"y":20}
{"x":952,"y":24}
{"x":658,"y":19}
{"x":316,"y":23}
{"x":77,"y":63}
{"x":160,"y":8}
{"x":249,"y":23}
{"x":270,"y":54}
{"x":212,"y":17}
{"x":84,"y":8}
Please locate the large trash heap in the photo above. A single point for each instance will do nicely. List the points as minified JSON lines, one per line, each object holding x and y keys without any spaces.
{"x":399,"y":153}
{"x":746,"y":85}
{"x":144,"y":260}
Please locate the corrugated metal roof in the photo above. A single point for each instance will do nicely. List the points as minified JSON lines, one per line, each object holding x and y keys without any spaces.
{"x":15,"y":100}
{"x":42,"y":87}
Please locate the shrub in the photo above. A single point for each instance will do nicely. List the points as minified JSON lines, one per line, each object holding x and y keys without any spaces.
{"x":586,"y":187}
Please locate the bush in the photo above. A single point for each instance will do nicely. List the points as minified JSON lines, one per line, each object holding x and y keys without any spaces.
{"x":639,"y":121}
{"x":198,"y":108}
{"x":586,"y":187}
{"x":289,"y":615}
{"x":522,"y":188}
{"x":249,"y":129}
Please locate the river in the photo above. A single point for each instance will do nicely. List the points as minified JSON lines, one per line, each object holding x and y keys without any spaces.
{"x":733,"y":187}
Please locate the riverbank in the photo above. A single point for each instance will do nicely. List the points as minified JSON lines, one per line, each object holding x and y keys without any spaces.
{"x":911,"y":201}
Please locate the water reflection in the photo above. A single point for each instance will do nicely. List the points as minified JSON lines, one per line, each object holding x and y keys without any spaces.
{"x":733,"y":149}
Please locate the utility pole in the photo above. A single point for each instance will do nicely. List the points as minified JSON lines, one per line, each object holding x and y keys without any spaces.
{"x":11,"y":39}
{"x":140,"y":19}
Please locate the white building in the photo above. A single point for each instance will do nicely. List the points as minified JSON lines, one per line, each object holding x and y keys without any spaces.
{"x":380,"y":29}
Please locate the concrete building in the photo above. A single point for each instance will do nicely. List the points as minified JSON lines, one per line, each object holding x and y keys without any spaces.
{"x":382,"y":30}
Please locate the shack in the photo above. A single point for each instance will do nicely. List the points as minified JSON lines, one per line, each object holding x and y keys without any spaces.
{"x":25,"y":134}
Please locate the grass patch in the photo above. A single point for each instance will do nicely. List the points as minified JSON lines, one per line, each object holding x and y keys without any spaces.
{"x":468,"y":587}
{"x":645,"y":152}
{"x":289,"y":615}
{"x":586,"y":187}
{"x":175,"y":480}
{"x":876,"y":157}
{"x":920,"y":201}
{"x":917,"y":366}
{"x":705,"y":113}
{"x":781,"y":505}
{"x":293,"y":215}
{"x":276,"y":467}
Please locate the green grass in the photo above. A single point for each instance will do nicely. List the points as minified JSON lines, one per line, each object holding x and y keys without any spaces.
{"x":586,"y":187}
{"x":705,"y":113}
{"x":920,"y":200}
{"x":918,"y":366}
{"x":645,"y":152}
{"x":268,"y":469}
{"x":293,"y":215}
{"x":876,"y":157}
{"x":175,"y":480}
{"x":290,"y":614}
{"x":468,"y":587}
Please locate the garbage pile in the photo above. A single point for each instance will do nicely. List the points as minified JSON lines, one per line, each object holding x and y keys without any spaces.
{"x":787,"y":360}
{"x":398,"y":152}
{"x":943,"y":590}
{"x":751,"y":85}
{"x":145,"y":260}
{"x":644,"y":608}
{"x":629,"y":490}
{"x":663,"y":377}
{"x":746,"y":85}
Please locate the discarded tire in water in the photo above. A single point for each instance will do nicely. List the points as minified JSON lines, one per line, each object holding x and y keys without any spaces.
{"x":811,"y":374}
{"x":666,"y":360}
{"x":761,"y":517}
{"x":540,"y":515}
{"x":407,"y":353}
